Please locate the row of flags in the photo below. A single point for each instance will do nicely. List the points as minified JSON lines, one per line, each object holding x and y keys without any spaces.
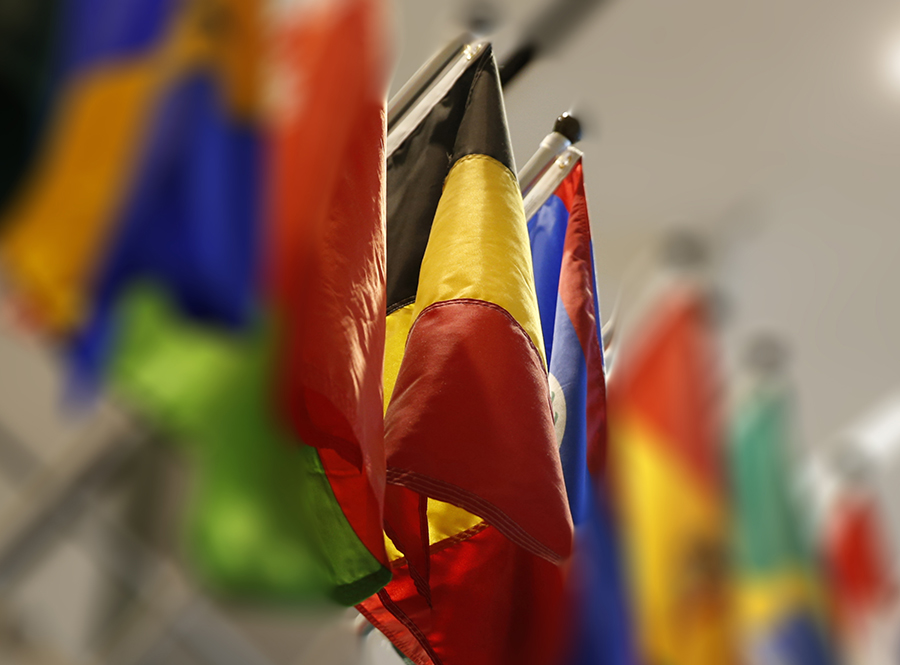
{"x":391,"y":383}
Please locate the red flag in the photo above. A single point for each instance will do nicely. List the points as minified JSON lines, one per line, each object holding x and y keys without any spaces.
{"x":327,"y":245}
{"x":856,"y":556}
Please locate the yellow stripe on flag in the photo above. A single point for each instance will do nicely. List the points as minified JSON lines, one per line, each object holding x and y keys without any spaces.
{"x":58,"y":232}
{"x":479,"y":247}
{"x":60,"y":229}
{"x":674,"y":530}
{"x":764,"y":599}
{"x":396,"y":331}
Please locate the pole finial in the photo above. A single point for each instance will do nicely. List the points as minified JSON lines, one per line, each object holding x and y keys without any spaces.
{"x":569,"y":126}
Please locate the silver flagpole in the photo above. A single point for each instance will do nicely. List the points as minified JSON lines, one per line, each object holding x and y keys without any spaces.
{"x":552,"y":177}
{"x":566,"y":132}
{"x":427,"y":90}
{"x":413,"y":89}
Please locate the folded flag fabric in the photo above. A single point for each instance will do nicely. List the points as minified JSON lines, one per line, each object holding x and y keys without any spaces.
{"x":562,"y":252}
{"x":475,"y":508}
{"x":667,"y":468}
{"x":858,"y":560}
{"x":779,"y":583}
{"x":326,"y":250}
{"x":325,"y":255}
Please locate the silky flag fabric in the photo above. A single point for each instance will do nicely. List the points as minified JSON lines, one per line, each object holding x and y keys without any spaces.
{"x":323,"y":290}
{"x":599,"y":629}
{"x":667,"y":469}
{"x":780,"y":586}
{"x":326,"y":276}
{"x":562,"y":252}
{"x":191,"y":218}
{"x":154,"y":175}
{"x":858,"y":563}
{"x":475,"y":510}
{"x":264,"y":524}
{"x":154,"y":124}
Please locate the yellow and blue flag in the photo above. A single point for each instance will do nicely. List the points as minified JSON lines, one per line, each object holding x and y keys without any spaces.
{"x":191,"y":220}
{"x":139,"y":240}
{"x":150,"y":171}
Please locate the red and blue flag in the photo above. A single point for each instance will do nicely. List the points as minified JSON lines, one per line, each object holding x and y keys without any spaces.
{"x":562,"y":255}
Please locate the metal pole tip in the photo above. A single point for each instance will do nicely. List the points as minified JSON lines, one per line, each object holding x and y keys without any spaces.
{"x":568,"y":125}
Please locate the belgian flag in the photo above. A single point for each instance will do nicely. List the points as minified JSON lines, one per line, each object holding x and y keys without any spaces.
{"x":476,"y":514}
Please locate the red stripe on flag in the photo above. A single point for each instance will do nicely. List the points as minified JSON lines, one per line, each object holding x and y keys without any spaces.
{"x":569,"y":188}
{"x":493,"y":603}
{"x":667,"y":383}
{"x":576,"y":290}
{"x":406,"y":524}
{"x":327,"y":246}
{"x":360,"y":502}
{"x":470,"y":423}
{"x":858,"y":562}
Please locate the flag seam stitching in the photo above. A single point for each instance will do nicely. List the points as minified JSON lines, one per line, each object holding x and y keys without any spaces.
{"x":490,"y":305}
{"x":411,"y":626}
{"x":444,"y":491}
{"x":487,"y":158}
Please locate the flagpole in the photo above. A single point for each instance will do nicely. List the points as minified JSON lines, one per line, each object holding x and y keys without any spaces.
{"x":566,"y":132}
{"x":410,"y":92}
{"x":546,"y":31}
{"x":428,"y":87}
{"x":546,"y":184}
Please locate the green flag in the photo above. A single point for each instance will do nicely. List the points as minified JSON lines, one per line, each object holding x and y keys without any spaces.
{"x":263,"y":523}
{"x":779,"y":590}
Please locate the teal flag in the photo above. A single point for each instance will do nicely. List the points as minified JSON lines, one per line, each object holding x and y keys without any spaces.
{"x":780,"y":591}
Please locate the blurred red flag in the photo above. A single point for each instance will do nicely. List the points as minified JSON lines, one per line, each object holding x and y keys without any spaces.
{"x":326,"y":246}
{"x":856,"y":556}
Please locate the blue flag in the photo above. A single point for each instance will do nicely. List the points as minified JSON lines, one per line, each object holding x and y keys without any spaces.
{"x":189,"y":219}
{"x":567,"y":299}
